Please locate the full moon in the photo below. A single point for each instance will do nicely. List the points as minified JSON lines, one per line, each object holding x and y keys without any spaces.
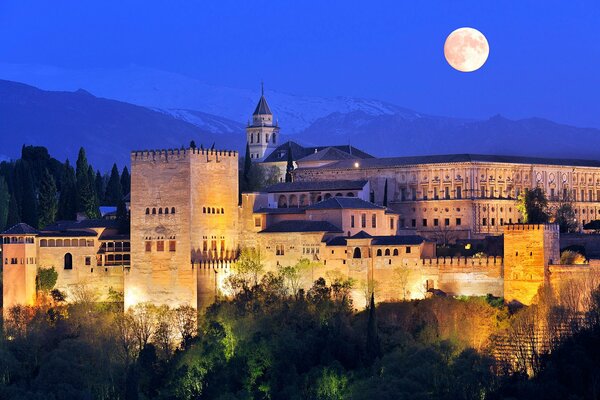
{"x":466,"y":49}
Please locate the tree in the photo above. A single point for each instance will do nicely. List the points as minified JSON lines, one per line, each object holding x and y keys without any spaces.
{"x":565,"y":218}
{"x":13,"y":216}
{"x":248,"y":267}
{"x":290,"y":164}
{"x":385,"y":194}
{"x":125,"y":181}
{"x":192,"y":144}
{"x":46,"y":279}
{"x":48,"y":200}
{"x":247,"y":167}
{"x":67,"y":201}
{"x":533,"y":205}
{"x":4,"y":203}
{"x":25,"y":193}
{"x":114,"y":192}
{"x":373,"y":347}
{"x":99,"y":183}
{"x":123,"y":217}
{"x":293,"y":274}
{"x":87,"y":199}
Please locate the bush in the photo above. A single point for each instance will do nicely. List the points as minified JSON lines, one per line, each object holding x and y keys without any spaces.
{"x":46,"y":279}
{"x":569,"y":257}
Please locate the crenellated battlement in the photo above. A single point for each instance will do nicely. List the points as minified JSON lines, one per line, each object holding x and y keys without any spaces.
{"x":463,"y":261}
{"x":165,"y":155}
{"x":531,"y":227}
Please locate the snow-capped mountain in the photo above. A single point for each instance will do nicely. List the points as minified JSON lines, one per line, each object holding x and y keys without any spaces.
{"x":174,"y":92}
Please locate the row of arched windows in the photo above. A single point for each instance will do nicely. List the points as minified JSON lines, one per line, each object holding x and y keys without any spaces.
{"x":386,"y":252}
{"x":161,"y":211}
{"x":213,"y":210}
{"x":66,"y":243}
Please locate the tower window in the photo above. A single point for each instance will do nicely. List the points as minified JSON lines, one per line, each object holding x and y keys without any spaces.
{"x":172,"y":210}
{"x":154,"y":211}
{"x":147,"y":211}
{"x":172,"y":245}
{"x":160,"y":245}
{"x":148,"y":246}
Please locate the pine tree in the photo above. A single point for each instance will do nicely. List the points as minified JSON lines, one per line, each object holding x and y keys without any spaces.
{"x":373,"y":347}
{"x":13,"y":217}
{"x":67,"y":202}
{"x":125,"y":181}
{"x":114,"y":192}
{"x":385,"y":190}
{"x":48,"y":204}
{"x":25,"y":193}
{"x":4,"y":203}
{"x":290,"y":164}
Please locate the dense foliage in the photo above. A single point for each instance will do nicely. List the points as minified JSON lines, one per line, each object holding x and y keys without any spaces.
{"x":39,"y":190}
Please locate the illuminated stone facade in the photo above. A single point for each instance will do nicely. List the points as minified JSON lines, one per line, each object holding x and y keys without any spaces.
{"x":467,"y":195}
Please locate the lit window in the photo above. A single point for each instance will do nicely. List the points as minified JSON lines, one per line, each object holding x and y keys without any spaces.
{"x":160,"y":245}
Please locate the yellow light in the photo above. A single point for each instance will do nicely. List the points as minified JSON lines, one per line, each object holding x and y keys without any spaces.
{"x":468,"y":246}
{"x":356,"y":165}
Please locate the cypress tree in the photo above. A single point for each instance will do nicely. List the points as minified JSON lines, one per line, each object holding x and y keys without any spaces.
{"x":247,"y":163}
{"x":25,"y":193}
{"x":192,"y":144}
{"x":67,"y":202}
{"x":4,"y":203}
{"x":114,"y":192}
{"x":13,"y":216}
{"x":290,"y":164}
{"x":125,"y":181}
{"x":100,"y":186}
{"x":48,"y":204}
{"x":122,"y":217}
{"x":385,"y":190}
{"x":373,"y":347}
{"x":87,"y":200}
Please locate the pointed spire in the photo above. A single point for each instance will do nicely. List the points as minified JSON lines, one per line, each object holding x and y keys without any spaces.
{"x":262,"y":108}
{"x":262,"y":88}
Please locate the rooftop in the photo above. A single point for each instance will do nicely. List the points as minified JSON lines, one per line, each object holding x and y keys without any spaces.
{"x":328,"y":154}
{"x":459,"y":158}
{"x":20,"y":229}
{"x":301,"y":226}
{"x":299,"y":152}
{"x":315,"y":186}
{"x":335,"y":203}
{"x":262,"y":107}
{"x":290,"y":210}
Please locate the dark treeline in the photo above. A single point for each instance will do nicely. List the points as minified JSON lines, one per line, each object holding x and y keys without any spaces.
{"x":265,"y":342}
{"x":39,"y":190}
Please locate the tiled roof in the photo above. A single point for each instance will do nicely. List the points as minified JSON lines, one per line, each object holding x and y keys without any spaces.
{"x":315,"y":186}
{"x":397,"y":240}
{"x":113,"y":234}
{"x":68,"y":233}
{"x":301,"y":226}
{"x":299,"y":152}
{"x":291,"y":210}
{"x":21,"y":229}
{"x":459,"y":158}
{"x":83,"y":224}
{"x":328,"y":154}
{"x":262,"y":107}
{"x":335,"y":203}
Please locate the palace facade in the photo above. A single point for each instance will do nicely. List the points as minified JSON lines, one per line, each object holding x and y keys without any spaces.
{"x":347,"y":214}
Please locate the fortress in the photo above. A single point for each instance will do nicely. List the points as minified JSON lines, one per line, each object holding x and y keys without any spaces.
{"x":349,"y":214}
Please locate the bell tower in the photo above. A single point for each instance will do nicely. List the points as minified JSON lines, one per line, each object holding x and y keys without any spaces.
{"x":262,"y":135}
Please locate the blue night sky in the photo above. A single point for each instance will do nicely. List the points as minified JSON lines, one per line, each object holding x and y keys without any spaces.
{"x":544,"y":55}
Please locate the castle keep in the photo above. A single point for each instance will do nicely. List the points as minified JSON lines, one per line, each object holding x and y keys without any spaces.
{"x":346,"y":213}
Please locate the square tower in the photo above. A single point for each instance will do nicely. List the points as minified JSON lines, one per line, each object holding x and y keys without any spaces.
{"x":528,"y":250}
{"x":262,"y":135}
{"x":183,"y":213}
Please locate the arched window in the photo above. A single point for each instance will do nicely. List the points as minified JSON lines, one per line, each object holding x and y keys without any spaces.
{"x":81,"y":242}
{"x":208,"y":210}
{"x":59,"y":242}
{"x":252,"y":138}
{"x":172,"y":210}
{"x":43,"y":242}
{"x":51,"y":243}
{"x":395,"y":252}
{"x":303,"y":200}
{"x":350,"y":194}
{"x":68,"y":261}
{"x":166,"y":210}
{"x":218,"y":211}
{"x":222,"y":211}
{"x":203,"y":210}
{"x":147,"y":211}
{"x":338,"y":195}
{"x":293,"y":201}
{"x":356,"y":253}
{"x":160,"y":211}
{"x":387,"y":252}
{"x":153,"y":211}
{"x":378,"y":252}
{"x":282,"y":202}
{"x":213,"y":210}
{"x":327,"y":196}
{"x":319,"y":198}
{"x":67,"y":242}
